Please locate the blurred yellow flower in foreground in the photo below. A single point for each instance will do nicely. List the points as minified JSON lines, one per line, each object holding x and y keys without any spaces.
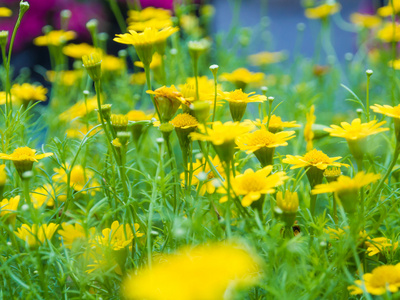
{"x":36,"y":235}
{"x":381,"y":280}
{"x":5,"y":12}
{"x":203,"y":272}
{"x":366,"y":21}
{"x":322,"y":11}
{"x":387,"y":11}
{"x":55,"y":38}
{"x":78,"y":50}
{"x":388,"y":35}
{"x":148,"y":13}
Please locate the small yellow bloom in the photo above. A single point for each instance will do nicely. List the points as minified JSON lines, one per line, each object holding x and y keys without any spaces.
{"x":72,"y":233}
{"x":322,"y":11}
{"x":381,"y":280}
{"x":3,"y":175}
{"x":168,"y":100}
{"x":288,"y":203}
{"x":313,"y":158}
{"x":118,"y":236}
{"x":54,"y":38}
{"x":389,"y":34}
{"x":138,"y":78}
{"x":138,"y":115}
{"x":356,"y":130}
{"x":242,"y":77}
{"x":379,"y":245}
{"x":80,"y":179}
{"x":276,"y":124}
{"x":28,"y":92}
{"x":266,"y":58}
{"x":46,"y":195}
{"x":5,"y":12}
{"x":218,"y":267}
{"x":9,"y":208}
{"x":36,"y":235}
{"x":387,"y":11}
{"x":252,"y":185}
{"x":67,"y":78}
{"x":78,"y":50}
{"x":112,"y":64}
{"x":241,"y":97}
{"x":148,"y":13}
{"x":366,"y":21}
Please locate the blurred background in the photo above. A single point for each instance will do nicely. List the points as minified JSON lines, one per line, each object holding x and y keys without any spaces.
{"x":264,"y":25}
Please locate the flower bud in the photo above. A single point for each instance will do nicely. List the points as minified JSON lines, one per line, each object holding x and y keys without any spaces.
{"x":3,"y":38}
{"x":92,"y":64}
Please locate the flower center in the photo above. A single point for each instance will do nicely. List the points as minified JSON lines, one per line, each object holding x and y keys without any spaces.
{"x":316,"y":156}
{"x":23,"y":152}
{"x":385,"y":275}
{"x":262,"y":137}
{"x":183,"y":120}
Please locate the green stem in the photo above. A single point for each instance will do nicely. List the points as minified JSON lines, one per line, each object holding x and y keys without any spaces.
{"x":148,"y":80}
{"x":367,"y":98}
{"x":228,"y":208}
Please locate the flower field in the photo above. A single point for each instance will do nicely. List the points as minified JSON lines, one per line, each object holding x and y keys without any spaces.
{"x":190,"y":167}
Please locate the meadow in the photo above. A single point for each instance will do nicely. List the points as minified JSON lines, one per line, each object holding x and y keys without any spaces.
{"x":189,"y":167}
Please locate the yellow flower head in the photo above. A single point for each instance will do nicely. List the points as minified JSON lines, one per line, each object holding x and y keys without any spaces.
{"x":381,"y":280}
{"x":206,"y":89}
{"x":345,"y":183}
{"x":263,"y":138}
{"x":221,"y":133}
{"x":313,"y":158}
{"x":242,"y":77}
{"x":138,"y":78}
{"x":366,"y":21}
{"x":152,"y":23}
{"x":209,"y":180}
{"x":322,"y":11}
{"x":155,"y":62}
{"x":390,"y":111}
{"x":28,"y":92}
{"x":252,"y":185}
{"x":3,"y":175}
{"x":184,"y":121}
{"x":112,"y":64}
{"x":80,"y":179}
{"x":5,"y":12}
{"x":78,"y":50}
{"x":380,"y":245}
{"x":241,"y":97}
{"x":24,"y":154}
{"x":266,"y":58}
{"x":67,"y":78}
{"x":308,"y":133}
{"x":54,"y":38}
{"x":73,"y":233}
{"x":46,"y":195}
{"x":387,"y":11}
{"x":79,"y":109}
{"x":217,"y":267}
{"x":9,"y":208}
{"x":288,"y":203}
{"x":356,"y":130}
{"x":148,"y":13}
{"x":138,"y":115}
{"x":36,"y":235}
{"x":118,"y":236}
{"x":276,"y":124}
{"x":168,"y":100}
{"x":389,"y":34}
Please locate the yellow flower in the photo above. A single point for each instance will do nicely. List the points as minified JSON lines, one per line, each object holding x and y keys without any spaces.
{"x":78,"y":130}
{"x":46,"y":195}
{"x":242,"y":77}
{"x":155,"y":62}
{"x":80,"y":179}
{"x":72,"y":233}
{"x":356,"y":130}
{"x":388,"y":35}
{"x":252,"y":185}
{"x":67,"y":78}
{"x":262,"y":138}
{"x":138,"y":115}
{"x":28,"y":92}
{"x":288,"y":203}
{"x":390,"y":111}
{"x":241,"y":97}
{"x":366,"y":21}
{"x":387,"y":11}
{"x":79,"y":109}
{"x":308,"y":133}
{"x":9,"y":208}
{"x":332,"y":174}
{"x":218,"y":267}
{"x":118,"y":236}
{"x":54,"y":38}
{"x":209,"y":183}
{"x":112,"y":64}
{"x":313,"y":158}
{"x":78,"y":50}
{"x":381,"y":280}
{"x":276,"y":124}
{"x":148,"y":13}
{"x":168,"y":100}
{"x":322,"y":11}
{"x":5,"y":12}
{"x":138,"y":78}
{"x":266,"y":58}
{"x":36,"y":235}
{"x":3,"y":175}
{"x":346,"y":183}
{"x":184,"y":121}
{"x":379,"y":245}
{"x":152,"y":23}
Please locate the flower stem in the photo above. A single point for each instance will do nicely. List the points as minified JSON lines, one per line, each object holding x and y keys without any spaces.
{"x":148,"y":80}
